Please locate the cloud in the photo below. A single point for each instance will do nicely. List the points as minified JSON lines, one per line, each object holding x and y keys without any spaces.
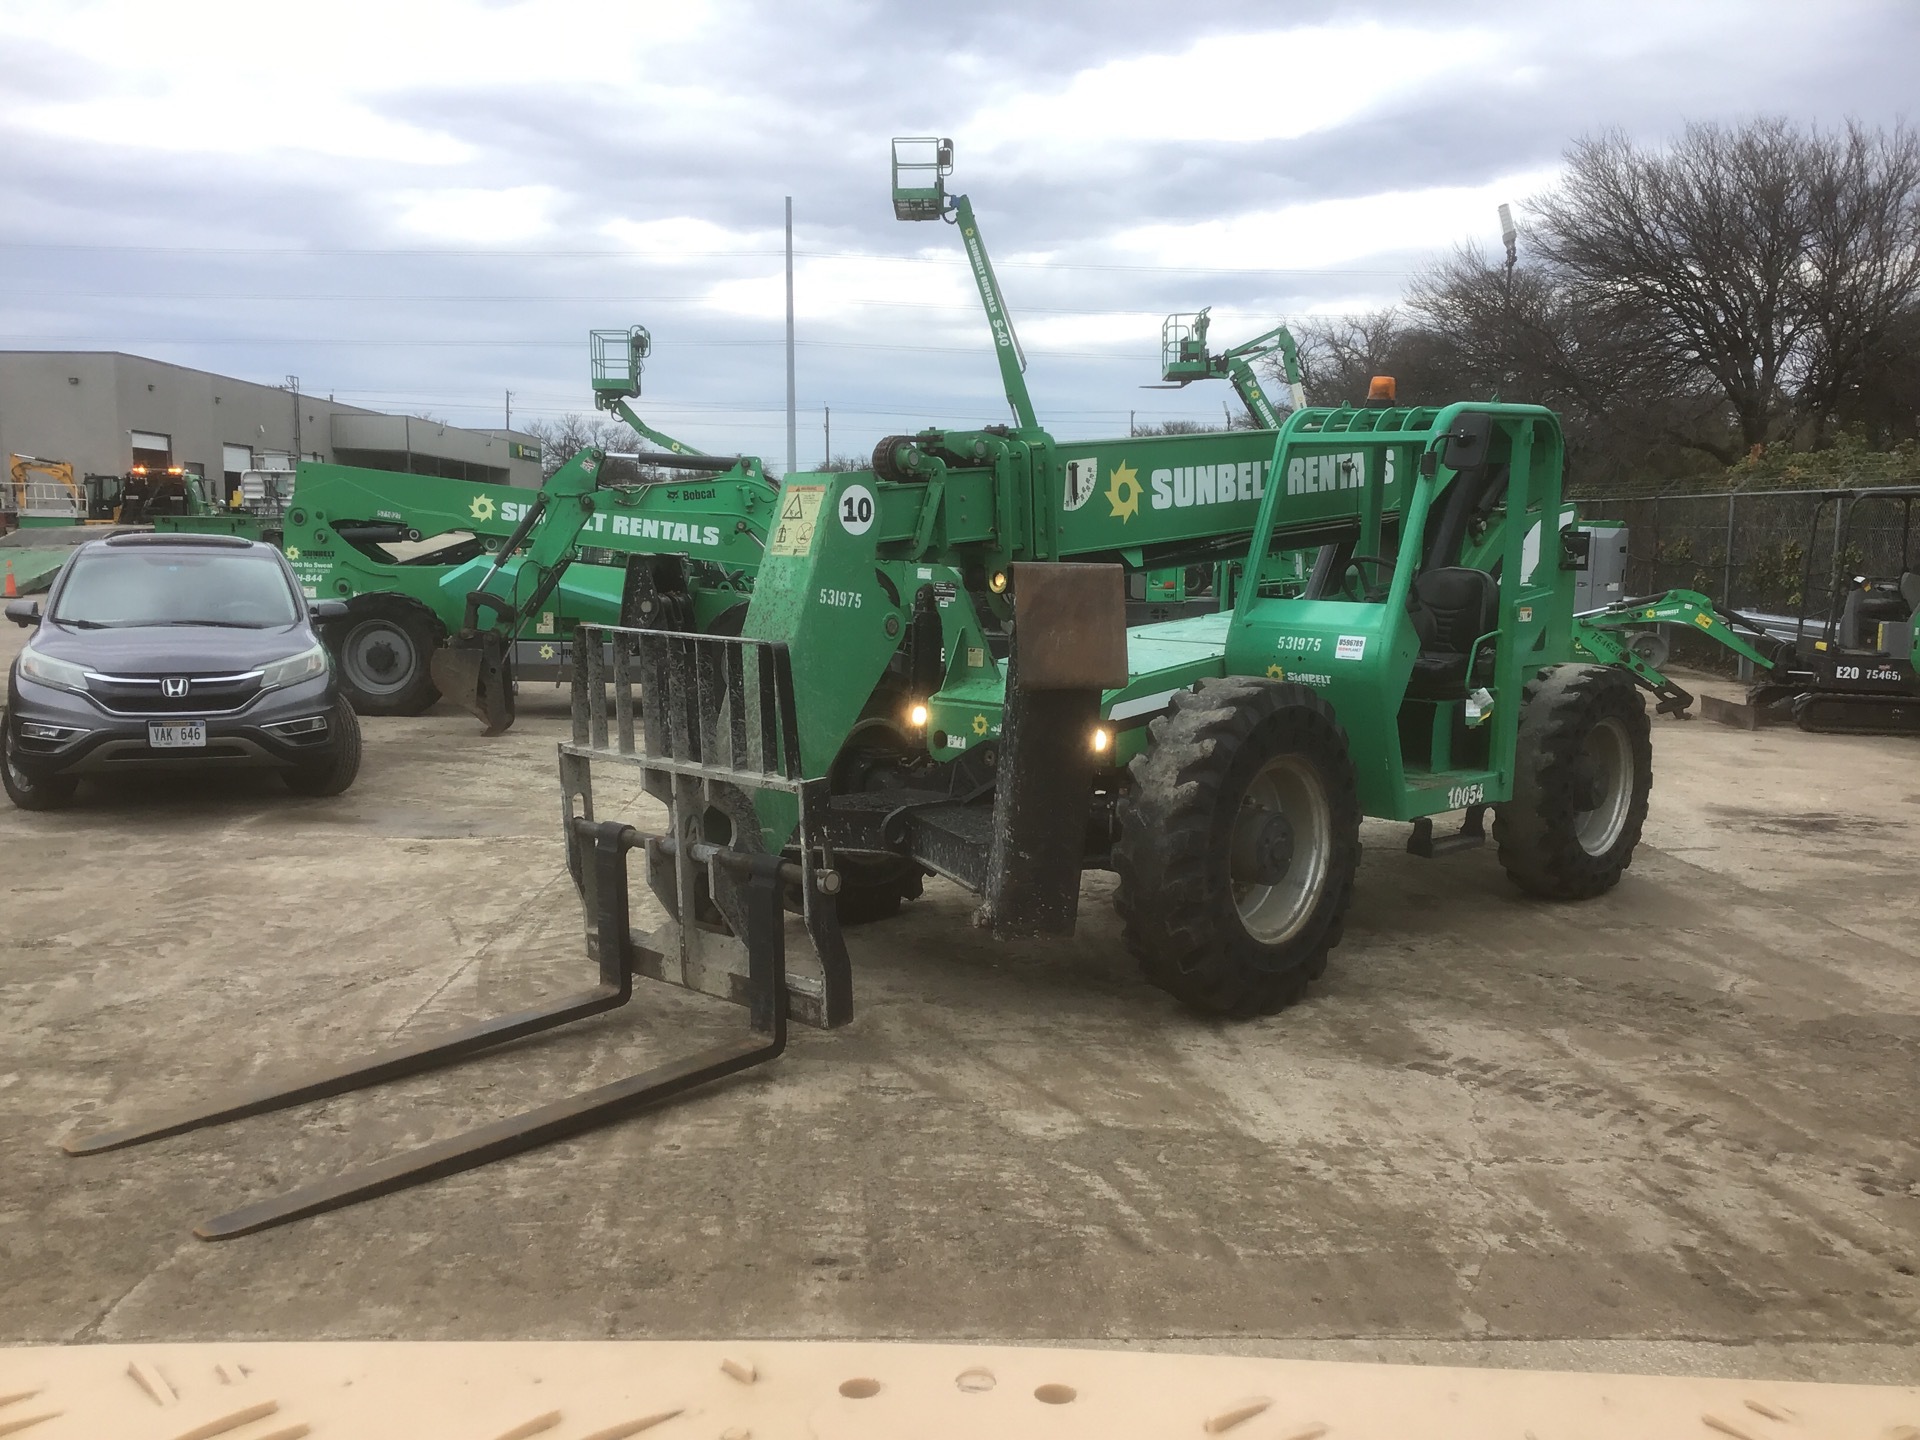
{"x":573,"y":165}
{"x":240,"y":77}
{"x":477,"y":217}
{"x":1243,"y":88}
{"x":1325,"y":233}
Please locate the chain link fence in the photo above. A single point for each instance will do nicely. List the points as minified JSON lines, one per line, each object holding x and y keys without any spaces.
{"x":1766,"y":551}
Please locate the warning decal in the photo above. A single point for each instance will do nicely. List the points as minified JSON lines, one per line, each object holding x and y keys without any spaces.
{"x":799,"y":514}
{"x":1081,"y":477}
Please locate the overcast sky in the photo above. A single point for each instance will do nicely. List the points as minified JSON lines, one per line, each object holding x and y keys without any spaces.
{"x":420,"y":204}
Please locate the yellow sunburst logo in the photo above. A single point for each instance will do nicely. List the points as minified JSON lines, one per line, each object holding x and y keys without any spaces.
{"x":293,"y":552}
{"x":1274,"y":672}
{"x":1123,"y":492}
{"x":481,"y":508}
{"x":546,"y":652}
{"x":979,"y":724}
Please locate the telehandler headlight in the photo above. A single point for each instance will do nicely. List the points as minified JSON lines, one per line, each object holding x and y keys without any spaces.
{"x":1102,"y":739}
{"x":997,"y":582}
{"x":917,"y":716}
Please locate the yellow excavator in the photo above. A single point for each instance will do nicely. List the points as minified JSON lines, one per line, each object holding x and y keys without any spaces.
{"x":42,"y":492}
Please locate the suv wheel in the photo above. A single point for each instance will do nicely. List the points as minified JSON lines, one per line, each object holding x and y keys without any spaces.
{"x":333,"y":775}
{"x":24,"y":788}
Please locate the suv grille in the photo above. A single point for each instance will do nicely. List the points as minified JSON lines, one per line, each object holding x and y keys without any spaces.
{"x":146,"y":694}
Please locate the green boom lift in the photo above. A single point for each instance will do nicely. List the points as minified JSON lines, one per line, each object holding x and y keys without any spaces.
{"x":921,"y":165}
{"x":1184,"y":358}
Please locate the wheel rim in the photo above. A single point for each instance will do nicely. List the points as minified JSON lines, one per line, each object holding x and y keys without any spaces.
{"x":14,"y":772}
{"x":1608,"y":756}
{"x":1288,"y":787}
{"x":379,"y":658}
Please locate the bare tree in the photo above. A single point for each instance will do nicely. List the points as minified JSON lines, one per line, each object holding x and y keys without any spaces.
{"x":1339,"y":355}
{"x":1738,"y":287}
{"x":1696,"y":251}
{"x":562,"y":439}
{"x":1861,"y":284}
{"x":1178,"y":427}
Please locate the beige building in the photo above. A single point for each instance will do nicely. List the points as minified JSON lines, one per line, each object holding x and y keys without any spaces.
{"x":105,"y":412}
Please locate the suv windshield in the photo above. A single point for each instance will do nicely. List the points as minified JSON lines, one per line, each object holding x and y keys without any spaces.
{"x":244,"y":588}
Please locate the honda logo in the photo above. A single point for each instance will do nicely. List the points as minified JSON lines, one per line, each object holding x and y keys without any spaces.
{"x":173,"y":689}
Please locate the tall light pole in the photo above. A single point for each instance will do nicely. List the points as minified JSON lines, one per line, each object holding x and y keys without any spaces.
{"x":1510,"y":237}
{"x":793,"y":436}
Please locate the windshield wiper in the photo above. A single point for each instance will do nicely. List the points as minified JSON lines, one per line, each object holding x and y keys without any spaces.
{"x":219,"y":624}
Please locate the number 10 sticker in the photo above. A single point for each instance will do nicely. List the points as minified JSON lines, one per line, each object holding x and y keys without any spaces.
{"x":856,"y":509}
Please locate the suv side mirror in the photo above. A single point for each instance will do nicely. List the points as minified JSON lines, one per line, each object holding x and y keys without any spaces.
{"x":327,"y":609}
{"x":25,"y":613}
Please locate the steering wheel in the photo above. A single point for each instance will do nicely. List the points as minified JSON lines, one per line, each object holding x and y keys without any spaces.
{"x":1356,"y":585}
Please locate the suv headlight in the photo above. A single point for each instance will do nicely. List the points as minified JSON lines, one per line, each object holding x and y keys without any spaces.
{"x":294,"y":668}
{"x":45,"y":670}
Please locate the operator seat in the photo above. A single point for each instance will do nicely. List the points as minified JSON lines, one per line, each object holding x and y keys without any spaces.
{"x":1866,"y":606}
{"x":1451,"y":606}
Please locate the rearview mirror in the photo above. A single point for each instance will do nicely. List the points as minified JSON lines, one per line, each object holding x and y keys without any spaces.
{"x":1467,"y":441}
{"x":24,"y":612}
{"x":327,"y":609}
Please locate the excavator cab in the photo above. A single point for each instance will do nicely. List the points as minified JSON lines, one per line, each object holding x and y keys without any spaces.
{"x":921,"y":164}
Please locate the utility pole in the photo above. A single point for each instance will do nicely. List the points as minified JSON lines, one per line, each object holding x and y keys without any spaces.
{"x":509,"y":424}
{"x":1509,"y":237}
{"x":827,"y":443}
{"x":793,"y":440}
{"x":293,"y":384}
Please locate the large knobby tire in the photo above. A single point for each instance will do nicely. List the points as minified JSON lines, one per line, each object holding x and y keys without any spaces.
{"x":382,"y":652}
{"x":873,"y":887}
{"x":873,"y":890}
{"x":335,"y":774}
{"x":1239,"y":839}
{"x":1583,"y":768}
{"x":24,"y":786}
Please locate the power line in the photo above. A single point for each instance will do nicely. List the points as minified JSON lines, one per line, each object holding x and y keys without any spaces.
{"x":291,"y":341}
{"x":951,"y":260}
{"x":956,"y":307}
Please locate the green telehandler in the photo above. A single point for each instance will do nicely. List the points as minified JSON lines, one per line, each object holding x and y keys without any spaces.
{"x":408,"y":552}
{"x":934,"y":676}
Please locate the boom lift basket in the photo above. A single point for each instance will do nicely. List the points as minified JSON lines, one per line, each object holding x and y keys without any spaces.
{"x":921,"y":164}
{"x":618,"y":357}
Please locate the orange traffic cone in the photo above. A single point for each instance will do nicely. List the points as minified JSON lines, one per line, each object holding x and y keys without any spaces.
{"x":12,"y":589}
